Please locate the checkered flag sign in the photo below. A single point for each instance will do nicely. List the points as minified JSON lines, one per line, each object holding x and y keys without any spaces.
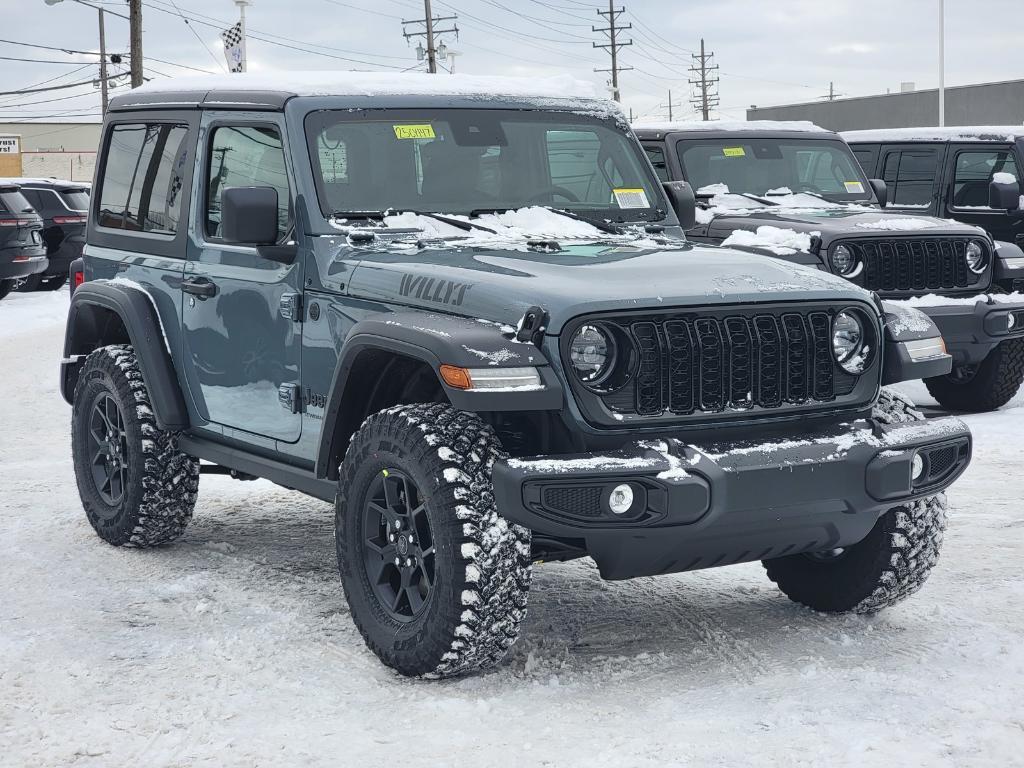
{"x":232,"y":37}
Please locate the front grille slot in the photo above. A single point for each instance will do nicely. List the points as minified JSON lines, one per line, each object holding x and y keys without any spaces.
{"x":580,"y":501}
{"x":711,"y":364}
{"x":914,"y":264}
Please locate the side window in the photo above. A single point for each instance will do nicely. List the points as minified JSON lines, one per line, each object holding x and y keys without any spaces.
{"x":974,"y":172}
{"x":251,"y":156}
{"x":910,"y":175}
{"x":866,"y":157}
{"x":656,"y":154}
{"x":34,"y":199}
{"x":142,"y":178}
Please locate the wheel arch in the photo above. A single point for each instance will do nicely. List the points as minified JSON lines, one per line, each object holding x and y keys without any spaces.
{"x":104,"y":313}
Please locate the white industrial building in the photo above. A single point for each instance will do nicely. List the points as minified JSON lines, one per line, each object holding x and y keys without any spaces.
{"x":61,"y":150}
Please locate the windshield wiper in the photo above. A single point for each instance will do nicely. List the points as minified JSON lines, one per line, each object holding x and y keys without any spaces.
{"x":610,"y":229}
{"x":465,"y":226}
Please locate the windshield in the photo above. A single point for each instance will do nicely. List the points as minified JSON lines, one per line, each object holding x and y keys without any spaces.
{"x":775,"y":167}
{"x":465,"y":161}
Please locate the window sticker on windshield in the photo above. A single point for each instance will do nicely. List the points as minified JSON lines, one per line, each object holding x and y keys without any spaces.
{"x":414,"y":131}
{"x":631,"y":198}
{"x":734,"y":152}
{"x":854,"y":187}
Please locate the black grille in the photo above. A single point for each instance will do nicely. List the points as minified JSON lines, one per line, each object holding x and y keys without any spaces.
{"x":914,"y":264}
{"x":941,"y":460}
{"x":737,"y":362}
{"x":582,"y":501}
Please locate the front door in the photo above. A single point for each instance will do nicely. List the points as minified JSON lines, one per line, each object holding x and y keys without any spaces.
{"x":242,"y":331}
{"x":972,"y":167}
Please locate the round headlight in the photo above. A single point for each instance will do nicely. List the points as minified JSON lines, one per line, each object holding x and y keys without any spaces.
{"x":843,"y":260}
{"x":976,"y":257}
{"x":848,"y":342}
{"x":591,"y":352}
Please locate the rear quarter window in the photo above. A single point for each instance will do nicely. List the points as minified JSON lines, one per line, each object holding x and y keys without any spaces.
{"x":13,"y":201}
{"x":76,"y":199}
{"x":143,"y":175}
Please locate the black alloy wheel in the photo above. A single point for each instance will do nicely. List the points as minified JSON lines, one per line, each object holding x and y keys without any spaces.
{"x":399,"y":548}
{"x":108,"y":443}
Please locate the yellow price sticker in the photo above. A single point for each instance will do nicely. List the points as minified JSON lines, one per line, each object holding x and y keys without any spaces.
{"x":734,"y":152}
{"x":414,"y":131}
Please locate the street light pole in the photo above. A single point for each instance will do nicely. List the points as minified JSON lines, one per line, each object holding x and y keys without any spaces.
{"x":942,"y":63}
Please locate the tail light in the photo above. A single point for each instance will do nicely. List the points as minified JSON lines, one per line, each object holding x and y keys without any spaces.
{"x":69,"y":219}
{"x":77,"y":273}
{"x":13,"y":222}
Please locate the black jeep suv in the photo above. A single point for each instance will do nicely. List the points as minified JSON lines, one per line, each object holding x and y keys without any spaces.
{"x":463,"y":311}
{"x":63,"y":206}
{"x":22,"y":253}
{"x":796,"y":191}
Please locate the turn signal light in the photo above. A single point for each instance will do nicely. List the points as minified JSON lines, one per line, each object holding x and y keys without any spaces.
{"x":455,"y":377}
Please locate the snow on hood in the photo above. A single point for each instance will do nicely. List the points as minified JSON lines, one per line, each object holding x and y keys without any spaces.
{"x":902,"y":225}
{"x":521,"y":224}
{"x":802,"y":126}
{"x":934,"y":300}
{"x":780,"y":241}
{"x":949,"y":133}
{"x":341,"y":83}
{"x":725,"y":203}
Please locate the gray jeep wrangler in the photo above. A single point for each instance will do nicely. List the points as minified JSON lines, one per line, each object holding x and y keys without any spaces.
{"x":463,"y":311}
{"x":763,"y":177}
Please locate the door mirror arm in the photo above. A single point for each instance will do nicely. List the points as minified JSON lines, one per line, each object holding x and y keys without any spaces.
{"x":282,"y":254}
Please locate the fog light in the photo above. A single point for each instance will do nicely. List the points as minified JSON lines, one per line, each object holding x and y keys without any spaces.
{"x":620,"y":499}
{"x":917,"y":468}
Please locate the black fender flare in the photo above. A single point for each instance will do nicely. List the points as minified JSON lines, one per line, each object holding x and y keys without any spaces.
{"x":137,"y":311}
{"x":902,"y":324}
{"x":1004,"y":269}
{"x":437,"y":339}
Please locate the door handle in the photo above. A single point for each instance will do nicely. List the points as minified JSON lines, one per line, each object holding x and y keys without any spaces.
{"x":199,"y":286}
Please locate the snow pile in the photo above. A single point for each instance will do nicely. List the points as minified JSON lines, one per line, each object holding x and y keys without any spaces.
{"x":1002,"y":177}
{"x":801,"y":126}
{"x":343,"y":83}
{"x":780,"y":241}
{"x":934,"y":300}
{"x":949,"y":133}
{"x":901,"y":225}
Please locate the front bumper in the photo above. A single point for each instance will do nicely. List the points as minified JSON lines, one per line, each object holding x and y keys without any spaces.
{"x":972,"y":330}
{"x":704,"y":506}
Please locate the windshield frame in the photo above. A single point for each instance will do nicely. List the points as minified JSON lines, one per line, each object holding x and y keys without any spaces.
{"x":867,"y":197}
{"x":659,"y":210}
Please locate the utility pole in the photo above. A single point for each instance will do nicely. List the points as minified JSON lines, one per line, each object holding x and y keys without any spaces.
{"x":832,"y":95}
{"x":706,"y":97}
{"x":103,"y":63}
{"x":672,"y":104}
{"x":429,"y":32}
{"x":613,"y":44}
{"x":135,"y":38}
{"x":942,"y":63}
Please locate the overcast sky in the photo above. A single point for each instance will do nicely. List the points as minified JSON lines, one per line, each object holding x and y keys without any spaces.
{"x":770,"y":52}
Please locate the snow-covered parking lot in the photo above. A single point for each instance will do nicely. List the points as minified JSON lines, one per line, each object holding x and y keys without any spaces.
{"x":234,"y":646}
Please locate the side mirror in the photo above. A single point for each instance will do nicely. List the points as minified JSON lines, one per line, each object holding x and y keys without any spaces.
{"x":680,"y":197}
{"x":248,"y":215}
{"x":880,"y":190}
{"x":1003,"y":194}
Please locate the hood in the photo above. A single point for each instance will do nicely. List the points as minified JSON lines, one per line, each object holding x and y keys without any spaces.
{"x":500,"y":284}
{"x":832,"y":221}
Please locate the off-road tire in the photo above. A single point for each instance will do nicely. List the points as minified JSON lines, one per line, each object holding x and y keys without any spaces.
{"x":993,"y":385}
{"x":887,"y":566}
{"x":30,"y":283}
{"x":160,"y":492}
{"x":473,"y":613}
{"x":6,"y":286}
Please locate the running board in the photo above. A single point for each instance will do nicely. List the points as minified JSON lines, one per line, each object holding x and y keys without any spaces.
{"x":293,"y":478}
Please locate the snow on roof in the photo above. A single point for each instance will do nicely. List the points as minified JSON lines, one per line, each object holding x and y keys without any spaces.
{"x":29,"y":181}
{"x":342,"y":83}
{"x":803,"y":126}
{"x":949,"y":133}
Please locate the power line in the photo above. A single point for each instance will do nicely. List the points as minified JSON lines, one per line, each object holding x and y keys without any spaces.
{"x":55,"y":87}
{"x":613,"y":45}
{"x":430,"y":32}
{"x":51,"y":48}
{"x":198,"y":37}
